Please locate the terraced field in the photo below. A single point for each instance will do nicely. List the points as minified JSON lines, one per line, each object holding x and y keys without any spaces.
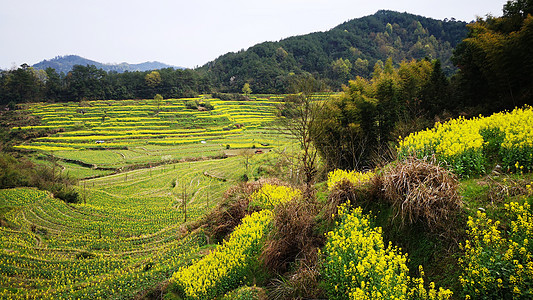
{"x":116,"y":135}
{"x":144,"y":169}
{"x":125,"y":237}
{"x":121,"y":124}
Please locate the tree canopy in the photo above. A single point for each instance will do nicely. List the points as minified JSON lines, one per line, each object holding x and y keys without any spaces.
{"x":496,"y":61}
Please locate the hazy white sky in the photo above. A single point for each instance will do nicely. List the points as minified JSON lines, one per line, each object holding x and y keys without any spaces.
{"x":185,"y":33}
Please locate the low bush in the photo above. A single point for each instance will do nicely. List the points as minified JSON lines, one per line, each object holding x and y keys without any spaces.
{"x":246,"y":293}
{"x":421,"y":192}
{"x":357,"y":264}
{"x":293,"y":236}
{"x":498,"y":256}
{"x":236,"y":204}
{"x":226,"y":267}
{"x":221,"y":221}
{"x":22,"y":172}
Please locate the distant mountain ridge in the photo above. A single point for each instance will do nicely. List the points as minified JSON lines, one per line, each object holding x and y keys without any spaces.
{"x":65,"y":63}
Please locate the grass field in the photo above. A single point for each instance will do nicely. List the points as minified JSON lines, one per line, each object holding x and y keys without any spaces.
{"x":124,"y":237}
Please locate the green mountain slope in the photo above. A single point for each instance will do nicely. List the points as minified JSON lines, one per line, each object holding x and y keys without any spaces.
{"x":360,"y":43}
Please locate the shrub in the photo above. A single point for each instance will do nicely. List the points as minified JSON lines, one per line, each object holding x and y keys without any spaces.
{"x":231,"y":210}
{"x":361,"y":193}
{"x":498,"y":265}
{"x":67,"y":194}
{"x":421,"y":192}
{"x":226,"y":267}
{"x":191,"y":104}
{"x":246,"y":293}
{"x":292,"y":236}
{"x":357,"y":264}
{"x":207,"y":105}
{"x":22,"y":172}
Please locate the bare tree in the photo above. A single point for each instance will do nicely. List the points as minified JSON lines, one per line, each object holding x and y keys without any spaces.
{"x":247,"y":155}
{"x":299,"y":116}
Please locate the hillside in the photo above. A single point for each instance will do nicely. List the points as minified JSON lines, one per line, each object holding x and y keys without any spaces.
{"x":348,"y":50}
{"x":333,"y":58}
{"x":194,"y":229}
{"x":409,"y":184}
{"x":65,"y":63}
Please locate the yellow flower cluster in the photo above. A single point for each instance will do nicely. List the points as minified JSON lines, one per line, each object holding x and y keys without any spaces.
{"x":42,"y":148}
{"x":497,"y":266}
{"x":225,"y":268}
{"x":460,"y":142}
{"x":337,"y":176}
{"x":358,"y":265}
{"x":270,"y":195}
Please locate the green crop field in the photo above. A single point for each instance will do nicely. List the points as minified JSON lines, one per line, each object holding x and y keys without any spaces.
{"x":121,"y":124}
{"x":112,"y":136}
{"x":124,"y":236}
{"x":144,"y":169}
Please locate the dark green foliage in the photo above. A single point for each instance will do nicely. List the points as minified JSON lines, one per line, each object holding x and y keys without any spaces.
{"x":84,"y":83}
{"x":244,"y":178}
{"x":84,"y":255}
{"x":16,"y":172}
{"x":496,"y":61}
{"x":190,"y":104}
{"x":343,"y":52}
{"x":26,"y":84}
{"x":196,"y":104}
{"x":359,"y":126}
{"x":67,"y":194}
{"x":20,"y":85}
{"x":436,"y":92}
{"x":493,"y":139}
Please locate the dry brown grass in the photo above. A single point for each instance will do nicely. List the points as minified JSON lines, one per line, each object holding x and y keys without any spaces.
{"x":293,"y":237}
{"x":303,"y":283}
{"x":364,"y":195}
{"x":344,"y":191}
{"x":421,"y":191}
{"x":221,"y":221}
{"x":510,"y":187}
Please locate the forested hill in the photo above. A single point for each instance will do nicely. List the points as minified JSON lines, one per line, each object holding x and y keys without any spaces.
{"x":332,"y":58}
{"x":66,"y":63}
{"x":348,"y":50}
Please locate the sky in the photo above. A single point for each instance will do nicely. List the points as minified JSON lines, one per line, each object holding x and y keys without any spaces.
{"x":186,"y":33}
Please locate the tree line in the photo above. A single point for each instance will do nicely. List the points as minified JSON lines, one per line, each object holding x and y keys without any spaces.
{"x":333,"y":57}
{"x":26,"y":84}
{"x":348,"y":50}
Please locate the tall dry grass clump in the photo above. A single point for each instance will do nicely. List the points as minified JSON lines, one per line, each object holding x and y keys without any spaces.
{"x":421,"y":192}
{"x":293,"y":237}
{"x":233,"y":208}
{"x":292,"y":250}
